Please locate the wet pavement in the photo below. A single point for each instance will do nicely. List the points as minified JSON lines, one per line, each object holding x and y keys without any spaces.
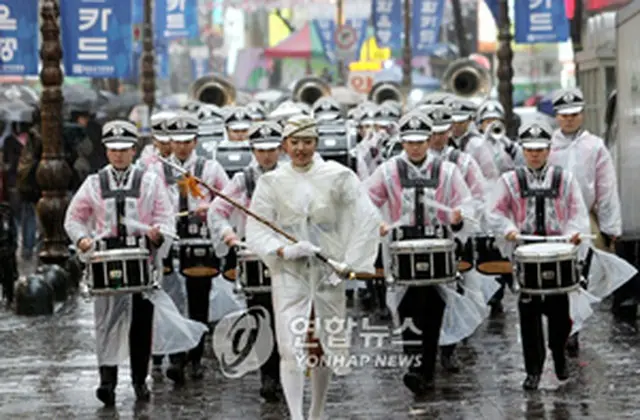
{"x":47,"y":370}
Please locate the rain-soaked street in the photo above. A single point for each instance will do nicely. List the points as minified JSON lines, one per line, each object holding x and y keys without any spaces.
{"x":47,"y":366}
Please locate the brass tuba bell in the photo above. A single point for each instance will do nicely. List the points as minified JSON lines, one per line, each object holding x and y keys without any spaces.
{"x":214,"y":90}
{"x":465,"y":77}
{"x":309,"y":89}
{"x":386,"y":91}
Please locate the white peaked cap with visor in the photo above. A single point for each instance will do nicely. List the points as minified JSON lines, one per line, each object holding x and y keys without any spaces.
{"x":119,"y":135}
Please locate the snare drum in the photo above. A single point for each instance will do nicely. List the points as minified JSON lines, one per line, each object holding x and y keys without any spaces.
{"x":117,"y":271}
{"x":464,"y":255}
{"x":253,"y":273}
{"x":547,"y":268}
{"x":423,"y":262}
{"x":488,"y":258}
{"x":198,"y":259}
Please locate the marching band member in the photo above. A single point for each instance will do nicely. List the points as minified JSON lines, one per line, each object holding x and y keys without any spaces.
{"x":265,"y":141}
{"x":403,"y":183}
{"x":506,"y":153}
{"x":320,"y":203}
{"x":183,"y":130}
{"x":256,"y":111}
{"x":326,"y":109}
{"x":586,"y":156}
{"x":116,"y":191}
{"x":472,"y":174}
{"x":161,"y":145}
{"x":515,"y":212}
{"x":466,"y":138}
{"x":237,"y":121}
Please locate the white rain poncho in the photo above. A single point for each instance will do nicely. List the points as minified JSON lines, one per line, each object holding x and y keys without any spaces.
{"x":566,"y":215}
{"x":486,"y":286}
{"x":473,"y":143}
{"x":89,"y":215}
{"x":587,"y":157}
{"x":326,"y":206}
{"x":461,"y":311}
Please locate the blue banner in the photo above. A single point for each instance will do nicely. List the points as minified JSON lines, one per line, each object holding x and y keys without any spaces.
{"x":96,"y":38}
{"x":388,"y":23}
{"x":18,"y":37}
{"x":494,"y":8}
{"x":176,"y":19}
{"x":541,"y":21}
{"x":361,"y":26}
{"x":426,"y":20}
{"x":326,"y":30}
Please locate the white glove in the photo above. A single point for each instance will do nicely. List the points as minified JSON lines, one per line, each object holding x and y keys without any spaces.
{"x":299,"y":250}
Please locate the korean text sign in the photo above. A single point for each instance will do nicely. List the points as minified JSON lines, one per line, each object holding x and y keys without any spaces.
{"x":540,"y":21}
{"x":97,"y":38}
{"x":19,"y":37}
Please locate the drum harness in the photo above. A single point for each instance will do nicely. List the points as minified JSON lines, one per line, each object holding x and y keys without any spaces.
{"x":183,"y":201}
{"x":418,"y":184}
{"x":120,"y":196}
{"x":540,"y":195}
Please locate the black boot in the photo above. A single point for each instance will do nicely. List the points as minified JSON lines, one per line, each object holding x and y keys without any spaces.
{"x":573,"y":346}
{"x":175,"y":371}
{"x":417,"y":383}
{"x":156,"y":371}
{"x":269,"y":389}
{"x":106,"y":392}
{"x":560,"y":365}
{"x":197,"y":370}
{"x":448,"y":359}
{"x":142,"y":392}
{"x":531,"y":383}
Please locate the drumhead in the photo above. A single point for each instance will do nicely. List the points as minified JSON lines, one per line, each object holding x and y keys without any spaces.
{"x":423,"y":245}
{"x":545,"y":250}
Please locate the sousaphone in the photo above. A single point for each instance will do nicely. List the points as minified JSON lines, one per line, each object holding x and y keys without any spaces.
{"x":309,"y":89}
{"x":214,"y":90}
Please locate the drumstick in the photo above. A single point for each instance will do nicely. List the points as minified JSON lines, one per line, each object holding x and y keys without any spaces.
{"x":183,"y":213}
{"x":146,"y":228}
{"x":447,"y":209}
{"x":552,"y":238}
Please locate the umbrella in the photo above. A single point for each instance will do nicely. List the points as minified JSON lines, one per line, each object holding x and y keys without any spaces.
{"x":20,"y":92}
{"x":119,"y":106}
{"x":16,"y":110}
{"x":79,"y":98}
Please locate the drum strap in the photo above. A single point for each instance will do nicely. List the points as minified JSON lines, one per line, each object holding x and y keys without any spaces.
{"x":453,"y":156}
{"x":168,"y":174}
{"x":540,"y":194}
{"x":120,"y":195}
{"x":183,"y":200}
{"x":249,"y":182}
{"x":418,"y":184}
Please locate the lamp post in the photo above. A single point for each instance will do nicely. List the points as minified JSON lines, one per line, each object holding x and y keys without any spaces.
{"x":147,"y":71}
{"x":505,"y":70}
{"x":53,"y":173}
{"x":407,"y":54}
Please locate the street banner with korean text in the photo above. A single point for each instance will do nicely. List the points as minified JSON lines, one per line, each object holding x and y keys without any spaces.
{"x":362,"y":28}
{"x":541,"y":21}
{"x":18,"y":37}
{"x":426,"y":21}
{"x":326,"y":28}
{"x":388,"y":23}
{"x":175,"y":19}
{"x":97,"y":38}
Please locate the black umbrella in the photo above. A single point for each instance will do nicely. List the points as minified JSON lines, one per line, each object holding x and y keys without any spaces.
{"x":16,"y":110}
{"x":79,"y":98}
{"x":119,"y":106}
{"x":21,"y":93}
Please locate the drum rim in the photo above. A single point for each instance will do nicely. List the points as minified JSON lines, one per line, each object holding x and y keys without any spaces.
{"x":195,"y":242}
{"x":425,"y":282}
{"x":566,"y":255}
{"x":246,"y":253}
{"x":443,"y":245}
{"x":99,"y":257}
